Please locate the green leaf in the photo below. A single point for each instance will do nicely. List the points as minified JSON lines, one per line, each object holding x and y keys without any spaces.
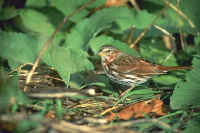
{"x":1,"y":4}
{"x":37,"y":3}
{"x":166,"y":79}
{"x":191,"y":10}
{"x":187,"y":92}
{"x":18,"y":48}
{"x":11,"y":94}
{"x":89,"y":28}
{"x":34,"y":21}
{"x":167,"y":21}
{"x":69,"y":61}
{"x":117,"y":19}
{"x":97,"y":3}
{"x":139,"y":20}
{"x":99,"y":41}
{"x":192,"y":127}
{"x":68,"y":6}
{"x":8,"y":13}
{"x":55,"y":17}
{"x":155,"y":51}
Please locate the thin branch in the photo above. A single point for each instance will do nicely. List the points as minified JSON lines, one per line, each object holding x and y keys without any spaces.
{"x":65,"y":127}
{"x":134,"y":3}
{"x":46,"y":45}
{"x":179,"y":12}
{"x":146,"y":29}
{"x":164,"y":31}
{"x":140,"y":121}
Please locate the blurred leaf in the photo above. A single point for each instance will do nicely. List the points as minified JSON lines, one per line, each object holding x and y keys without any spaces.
{"x":167,"y":21}
{"x":59,"y":108}
{"x":97,"y":3}
{"x":139,"y":20}
{"x":144,"y":92}
{"x":55,"y":17}
{"x":99,"y":41}
{"x":197,"y":40}
{"x":1,"y":4}
{"x":192,"y":127}
{"x":187,"y":92}
{"x":156,"y":52}
{"x":11,"y":94}
{"x":68,"y":6}
{"x":69,"y":61}
{"x":166,"y":79}
{"x":8,"y":13}
{"x":117,"y":18}
{"x":191,"y":10}
{"x":89,"y":28}
{"x":18,"y":48}
{"x":34,"y":21}
{"x":28,"y":124}
{"x":37,"y":3}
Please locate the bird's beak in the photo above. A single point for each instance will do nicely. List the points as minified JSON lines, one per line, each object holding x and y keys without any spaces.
{"x":101,"y":54}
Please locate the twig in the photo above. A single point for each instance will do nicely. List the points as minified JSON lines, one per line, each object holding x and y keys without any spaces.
{"x":168,"y":56}
{"x":134,"y":3}
{"x":109,"y":110}
{"x":46,"y":45}
{"x":179,"y":12}
{"x":155,"y":121}
{"x":54,"y":95}
{"x":65,"y":127}
{"x":146,"y":30}
{"x":182,"y":39}
{"x":164,"y":31}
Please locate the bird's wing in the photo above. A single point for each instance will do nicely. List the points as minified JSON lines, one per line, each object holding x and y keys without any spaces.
{"x":133,"y":65}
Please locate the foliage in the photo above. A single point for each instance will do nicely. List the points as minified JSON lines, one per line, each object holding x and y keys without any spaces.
{"x":73,"y":52}
{"x":187,"y":92}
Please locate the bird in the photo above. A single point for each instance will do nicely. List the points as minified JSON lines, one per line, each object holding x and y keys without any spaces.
{"x":128,"y":70}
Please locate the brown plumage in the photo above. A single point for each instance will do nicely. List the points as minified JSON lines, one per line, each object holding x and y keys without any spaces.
{"x":129,"y":70}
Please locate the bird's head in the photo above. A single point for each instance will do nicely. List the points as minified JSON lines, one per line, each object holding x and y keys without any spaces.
{"x":107,"y":52}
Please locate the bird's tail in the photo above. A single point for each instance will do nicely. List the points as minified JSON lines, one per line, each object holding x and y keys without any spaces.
{"x":171,"y":68}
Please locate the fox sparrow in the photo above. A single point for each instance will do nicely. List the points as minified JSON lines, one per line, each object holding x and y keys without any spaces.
{"x":128,"y":70}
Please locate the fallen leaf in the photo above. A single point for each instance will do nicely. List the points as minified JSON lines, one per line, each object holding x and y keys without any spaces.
{"x":139,"y":109}
{"x":50,"y":115}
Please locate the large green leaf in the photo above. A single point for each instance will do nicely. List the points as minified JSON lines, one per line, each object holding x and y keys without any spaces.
{"x":88,"y":28}
{"x":69,"y":61}
{"x":192,"y":126}
{"x":118,"y":19}
{"x":8,"y":13}
{"x":166,"y":79}
{"x":34,"y":21}
{"x":187,"y":92}
{"x":37,"y":3}
{"x":68,"y":6}
{"x":65,"y":6}
{"x":10,"y":94}
{"x":18,"y":48}
{"x":99,"y":41}
{"x":155,"y":51}
{"x":191,"y":9}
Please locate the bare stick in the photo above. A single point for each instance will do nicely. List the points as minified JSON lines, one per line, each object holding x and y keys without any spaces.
{"x":134,"y":3}
{"x":146,"y":30}
{"x":46,"y":45}
{"x":179,"y":12}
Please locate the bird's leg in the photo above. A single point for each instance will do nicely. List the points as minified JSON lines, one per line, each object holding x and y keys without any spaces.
{"x":126,"y":91}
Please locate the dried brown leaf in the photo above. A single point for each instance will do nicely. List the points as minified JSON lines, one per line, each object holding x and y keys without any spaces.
{"x":139,"y":109}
